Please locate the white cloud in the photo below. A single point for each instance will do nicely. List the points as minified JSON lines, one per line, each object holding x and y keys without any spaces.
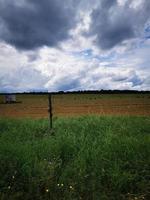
{"x":77,"y":64}
{"x":54,"y":69}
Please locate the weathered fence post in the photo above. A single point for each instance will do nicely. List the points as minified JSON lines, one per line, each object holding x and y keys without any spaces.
{"x":50,"y":111}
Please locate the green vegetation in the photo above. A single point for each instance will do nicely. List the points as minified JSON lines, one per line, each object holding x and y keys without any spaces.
{"x":90,"y":158}
{"x":77,"y":97}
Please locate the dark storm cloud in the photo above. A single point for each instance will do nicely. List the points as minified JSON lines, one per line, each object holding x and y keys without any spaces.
{"x":113,"y":24}
{"x":28,"y":24}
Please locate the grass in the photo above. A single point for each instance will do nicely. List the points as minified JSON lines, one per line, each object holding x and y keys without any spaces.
{"x":77,"y":97}
{"x":89,"y":158}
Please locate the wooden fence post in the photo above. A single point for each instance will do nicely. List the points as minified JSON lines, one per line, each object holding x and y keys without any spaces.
{"x":50,"y":111}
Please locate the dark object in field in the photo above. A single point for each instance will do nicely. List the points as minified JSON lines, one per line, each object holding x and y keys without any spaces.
{"x":11,"y":102}
{"x":9,"y":99}
{"x":50,"y":114}
{"x":50,"y":110}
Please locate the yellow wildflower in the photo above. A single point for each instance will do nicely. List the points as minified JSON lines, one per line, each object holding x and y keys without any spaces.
{"x":71,"y":187}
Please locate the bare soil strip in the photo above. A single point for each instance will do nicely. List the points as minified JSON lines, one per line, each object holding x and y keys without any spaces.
{"x":36,"y":106}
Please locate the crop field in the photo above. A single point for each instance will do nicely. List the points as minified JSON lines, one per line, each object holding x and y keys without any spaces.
{"x":36,"y":106}
{"x":88,"y":158}
{"x":98,"y":148}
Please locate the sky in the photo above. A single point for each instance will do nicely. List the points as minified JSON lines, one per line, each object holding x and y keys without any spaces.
{"x":71,"y":45}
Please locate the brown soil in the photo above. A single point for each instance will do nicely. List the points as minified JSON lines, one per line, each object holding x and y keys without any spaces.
{"x":36,"y":106}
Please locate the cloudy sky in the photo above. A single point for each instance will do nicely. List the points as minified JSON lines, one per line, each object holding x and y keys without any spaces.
{"x":53,"y":45}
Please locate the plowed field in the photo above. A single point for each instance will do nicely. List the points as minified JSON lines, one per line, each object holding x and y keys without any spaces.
{"x":36,"y":106}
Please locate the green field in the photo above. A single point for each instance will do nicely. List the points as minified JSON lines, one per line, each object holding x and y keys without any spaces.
{"x":89,"y":158}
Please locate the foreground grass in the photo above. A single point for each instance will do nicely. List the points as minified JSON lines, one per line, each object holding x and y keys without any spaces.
{"x":90,"y":158}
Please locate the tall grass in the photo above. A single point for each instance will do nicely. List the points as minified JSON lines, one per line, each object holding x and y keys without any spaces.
{"x":90,"y":158}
